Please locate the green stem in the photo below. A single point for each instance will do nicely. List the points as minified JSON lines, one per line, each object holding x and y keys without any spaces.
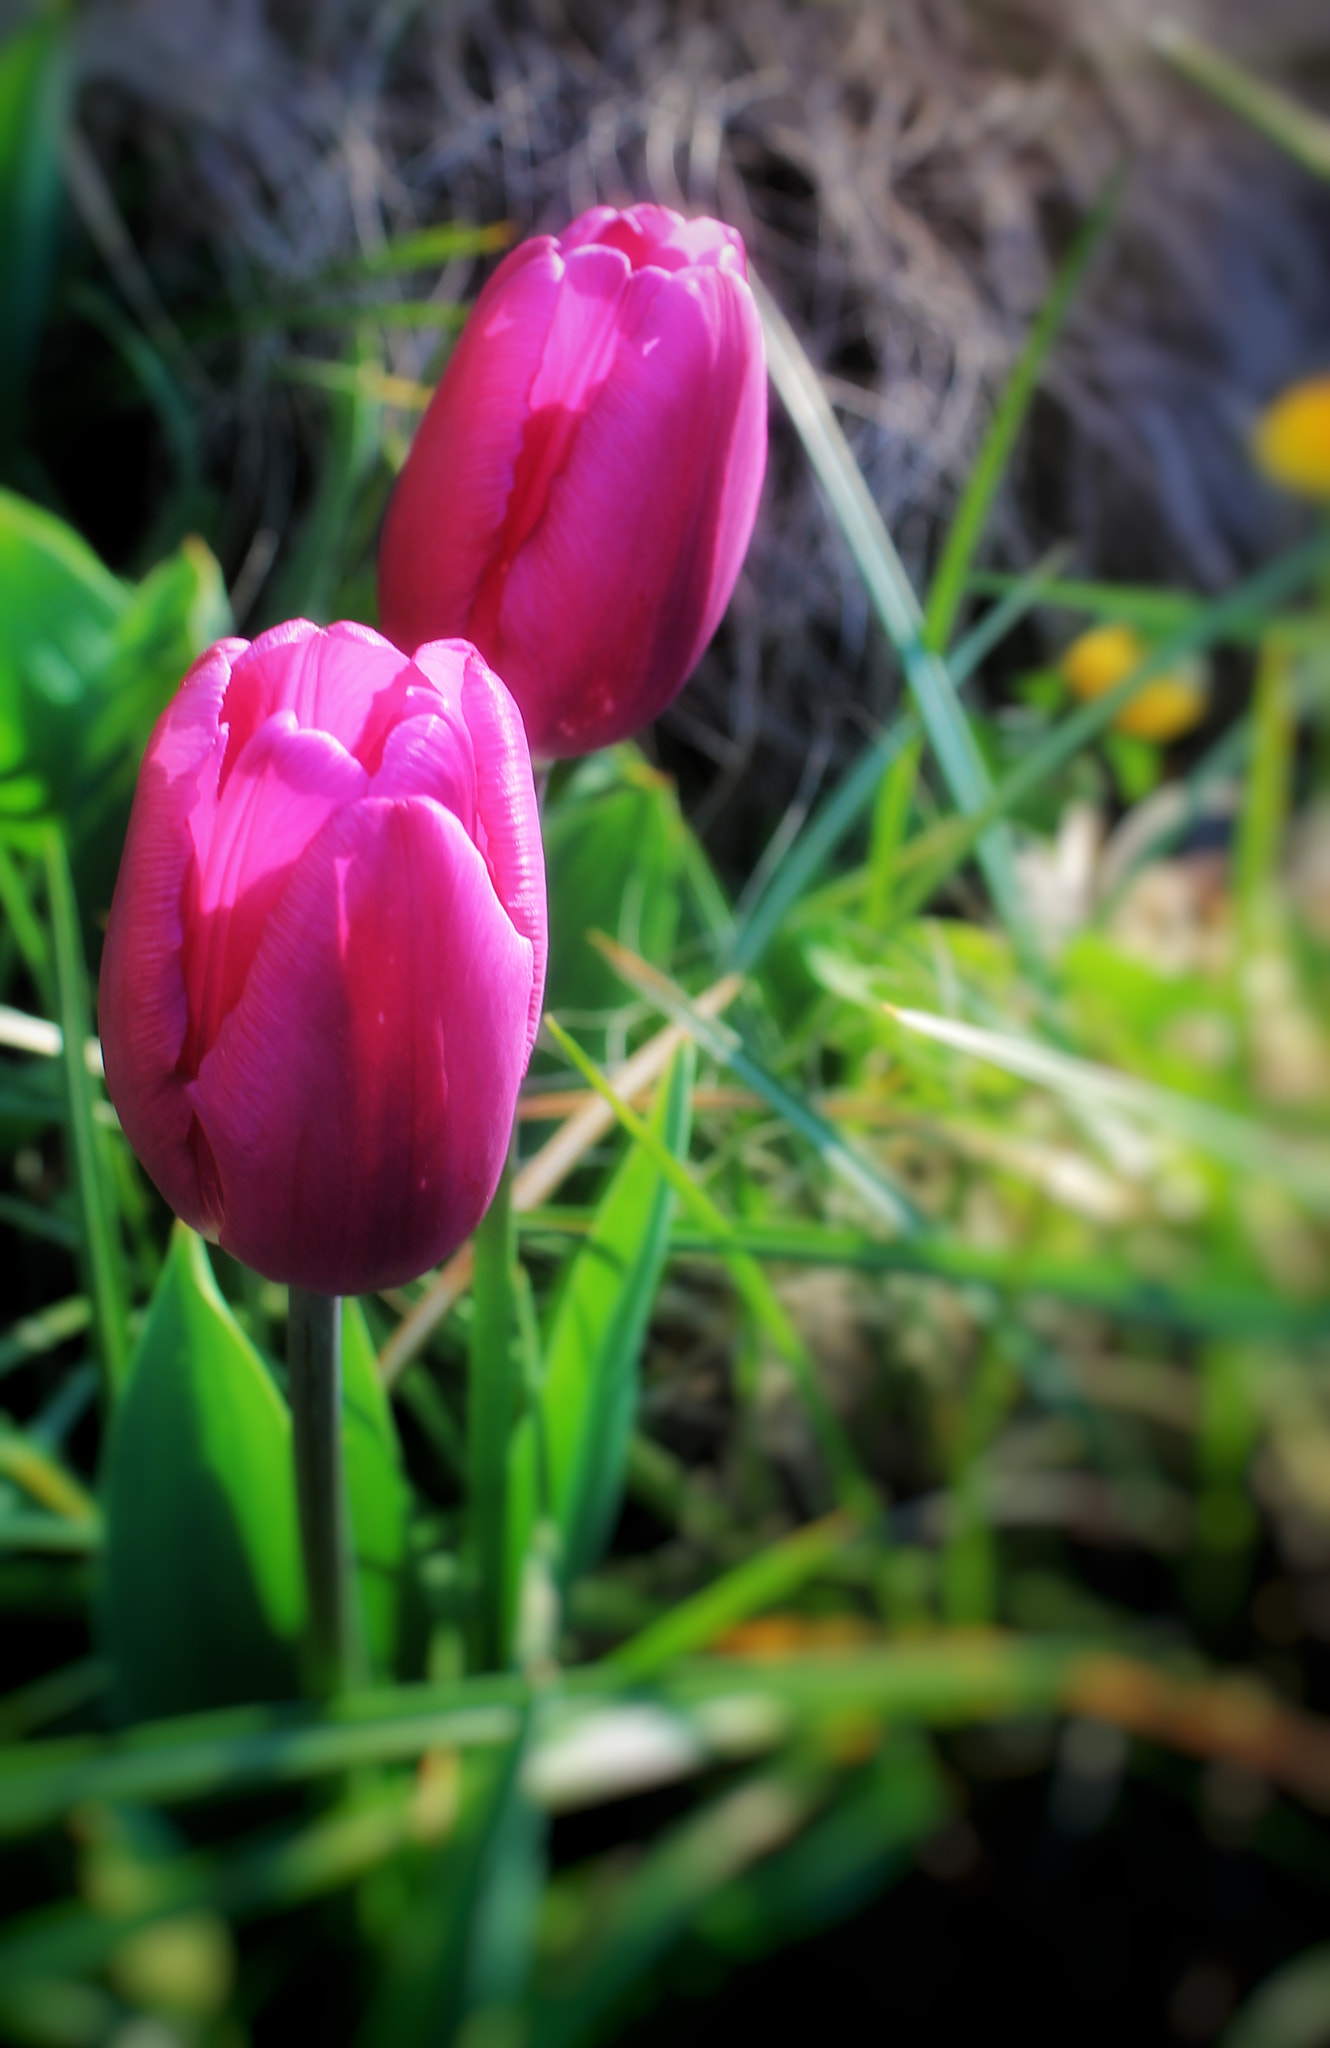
{"x":491,"y":1407}
{"x":314,"y":1387}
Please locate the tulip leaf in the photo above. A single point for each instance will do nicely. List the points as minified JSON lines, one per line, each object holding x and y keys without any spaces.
{"x":573,"y":1444}
{"x":202,"y":1597}
{"x":86,"y":665}
{"x":615,"y":852}
{"x":376,"y":1489}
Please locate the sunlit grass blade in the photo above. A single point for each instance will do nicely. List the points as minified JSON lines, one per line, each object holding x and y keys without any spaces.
{"x":1153,"y":612}
{"x":422,"y":250}
{"x":100,"y":1250}
{"x":1106,"y":1284}
{"x":986,"y":472}
{"x":893,"y":599}
{"x":1021,"y":596}
{"x":361,"y":380}
{"x":756,"y":1584}
{"x":939,"y":852}
{"x":43,"y":1478}
{"x":1303,"y":1169}
{"x":1303,"y":134}
{"x":725,"y":1046}
{"x":891,"y":823}
{"x":853,"y":1488}
{"x":823,"y":833}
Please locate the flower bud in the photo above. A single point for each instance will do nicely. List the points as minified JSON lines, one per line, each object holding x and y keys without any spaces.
{"x":581,"y":492}
{"x":1162,"y":709}
{"x":326,"y":952}
{"x":1291,"y":442}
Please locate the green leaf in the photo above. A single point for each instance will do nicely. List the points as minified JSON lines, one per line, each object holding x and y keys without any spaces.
{"x":34,"y":102}
{"x":575,"y":1442}
{"x":615,"y":856}
{"x":377,"y":1490}
{"x":202,"y":1600}
{"x":87,"y":664}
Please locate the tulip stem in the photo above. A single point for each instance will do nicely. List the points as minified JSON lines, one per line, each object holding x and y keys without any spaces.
{"x":314,"y":1386}
{"x":491,"y":1409}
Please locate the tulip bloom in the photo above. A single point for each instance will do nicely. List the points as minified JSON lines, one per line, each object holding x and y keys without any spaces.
{"x":582,"y":489}
{"x":326,"y":952}
{"x":1162,"y":709}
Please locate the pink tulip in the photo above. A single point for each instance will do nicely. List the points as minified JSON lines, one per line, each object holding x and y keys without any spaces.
{"x":326,"y":952}
{"x":583,"y":487}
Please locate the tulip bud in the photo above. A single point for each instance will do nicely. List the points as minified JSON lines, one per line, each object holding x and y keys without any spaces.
{"x":582,"y":489}
{"x":326,"y":952}
{"x":1163,"y":708}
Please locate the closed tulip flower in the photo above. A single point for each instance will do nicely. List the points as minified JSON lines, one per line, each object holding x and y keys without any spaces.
{"x":326,"y":952}
{"x":582,"y":489}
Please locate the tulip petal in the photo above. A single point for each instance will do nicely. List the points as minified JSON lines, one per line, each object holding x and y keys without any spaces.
{"x":609,"y":605}
{"x":359,"y":1098}
{"x":346,"y":680}
{"x":247,"y":837}
{"x":509,"y":818}
{"x":143,"y":1010}
{"x":458,"y":478}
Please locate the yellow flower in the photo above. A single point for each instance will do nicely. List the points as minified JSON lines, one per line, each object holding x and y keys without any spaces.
{"x":1291,"y":441}
{"x":1169,"y":704}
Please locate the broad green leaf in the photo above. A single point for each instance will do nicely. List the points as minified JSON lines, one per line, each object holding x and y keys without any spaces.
{"x":34,"y":101}
{"x":377,"y":1490}
{"x":58,"y":607}
{"x":86,"y":665}
{"x":573,"y":1446}
{"x":615,"y":855}
{"x":202,"y":1599}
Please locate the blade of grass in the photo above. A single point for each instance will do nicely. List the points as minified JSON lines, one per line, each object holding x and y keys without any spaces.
{"x":537,"y":1179}
{"x":1022,"y":596}
{"x":940,"y":851}
{"x":1304,"y":135}
{"x":891,"y":822}
{"x":853,"y":1488}
{"x":726,"y":1047}
{"x":896,"y":605}
{"x":966,"y":530}
{"x":33,"y":1335}
{"x":1152,"y":612}
{"x":1203,"y":1304}
{"x":817,"y":842}
{"x":1304,"y":1170}
{"x":100,"y":1251}
{"x":759,"y":1582}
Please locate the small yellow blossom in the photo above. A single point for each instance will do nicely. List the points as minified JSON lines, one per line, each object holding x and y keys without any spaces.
{"x":1291,"y":441}
{"x":1169,"y":704}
